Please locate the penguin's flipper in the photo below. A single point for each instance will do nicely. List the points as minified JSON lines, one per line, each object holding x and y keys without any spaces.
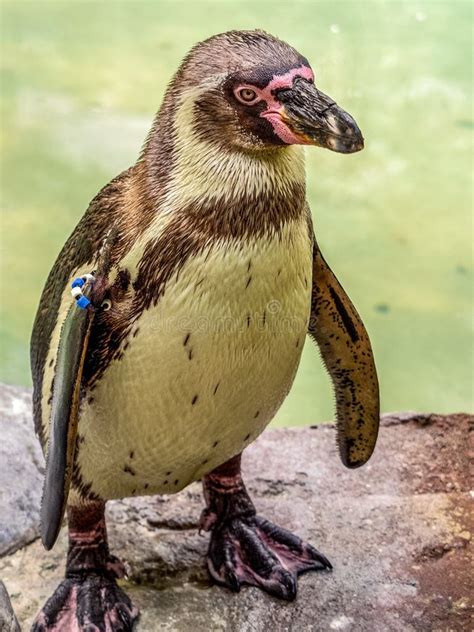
{"x":345,"y":347}
{"x":72,"y":349}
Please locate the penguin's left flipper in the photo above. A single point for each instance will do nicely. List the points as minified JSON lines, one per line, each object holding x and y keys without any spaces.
{"x":72,"y":350}
{"x":345,"y":348}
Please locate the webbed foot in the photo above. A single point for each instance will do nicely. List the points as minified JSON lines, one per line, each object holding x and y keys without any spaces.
{"x":253,"y":551}
{"x":88,"y":599}
{"x":247,"y":549}
{"x":89,"y":603}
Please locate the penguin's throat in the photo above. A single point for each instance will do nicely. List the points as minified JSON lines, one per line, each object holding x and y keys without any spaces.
{"x":189,"y":168}
{"x":204,"y":171}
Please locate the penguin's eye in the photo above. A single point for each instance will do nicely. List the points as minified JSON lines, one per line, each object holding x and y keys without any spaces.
{"x":246,"y":95}
{"x":106,"y":305}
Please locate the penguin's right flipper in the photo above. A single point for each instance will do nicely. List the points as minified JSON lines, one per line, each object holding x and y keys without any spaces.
{"x":72,"y":349}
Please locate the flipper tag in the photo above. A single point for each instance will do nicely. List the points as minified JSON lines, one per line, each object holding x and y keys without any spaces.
{"x":76,"y":290}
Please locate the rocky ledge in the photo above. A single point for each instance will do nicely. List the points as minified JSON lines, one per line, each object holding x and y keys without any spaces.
{"x":398,"y":532}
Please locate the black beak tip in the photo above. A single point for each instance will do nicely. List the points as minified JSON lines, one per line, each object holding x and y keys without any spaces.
{"x":350,"y":139}
{"x":346,"y":146}
{"x":357,"y":145}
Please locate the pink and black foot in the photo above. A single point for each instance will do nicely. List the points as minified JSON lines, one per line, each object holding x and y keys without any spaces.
{"x":88,"y":599}
{"x":247,"y":549}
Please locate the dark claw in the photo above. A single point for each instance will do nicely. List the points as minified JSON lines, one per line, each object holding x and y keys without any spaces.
{"x":124,"y":615}
{"x":319,"y":557}
{"x":116,"y":567}
{"x":232,"y":580}
{"x":284,"y":585}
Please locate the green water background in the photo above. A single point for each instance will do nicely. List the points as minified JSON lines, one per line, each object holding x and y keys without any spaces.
{"x":81,"y":82}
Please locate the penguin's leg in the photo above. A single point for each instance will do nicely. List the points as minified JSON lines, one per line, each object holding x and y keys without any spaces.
{"x":88,"y":598}
{"x":247,"y":549}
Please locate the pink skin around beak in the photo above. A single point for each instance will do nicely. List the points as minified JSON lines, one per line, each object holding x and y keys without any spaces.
{"x":274,"y":111}
{"x":301,"y":114}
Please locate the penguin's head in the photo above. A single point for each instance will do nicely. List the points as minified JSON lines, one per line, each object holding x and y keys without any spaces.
{"x":251,"y":91}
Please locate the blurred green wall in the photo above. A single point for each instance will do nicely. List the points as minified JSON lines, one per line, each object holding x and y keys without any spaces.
{"x":81,"y":82}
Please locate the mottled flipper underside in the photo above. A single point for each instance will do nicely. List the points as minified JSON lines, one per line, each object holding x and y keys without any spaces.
{"x":346,"y":351}
{"x":64,"y":417}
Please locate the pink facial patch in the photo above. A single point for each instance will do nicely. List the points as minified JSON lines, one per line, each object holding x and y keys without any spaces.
{"x":275,"y":109}
{"x":282,"y":130}
{"x":286,"y":80}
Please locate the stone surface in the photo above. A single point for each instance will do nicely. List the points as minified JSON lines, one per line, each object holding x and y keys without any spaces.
{"x":21,"y":466}
{"x":398,"y":532}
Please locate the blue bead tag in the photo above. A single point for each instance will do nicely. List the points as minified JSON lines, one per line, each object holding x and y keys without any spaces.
{"x":83,"y":302}
{"x":77,"y":283}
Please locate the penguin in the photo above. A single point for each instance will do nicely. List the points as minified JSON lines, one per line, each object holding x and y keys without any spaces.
{"x":172,"y":323}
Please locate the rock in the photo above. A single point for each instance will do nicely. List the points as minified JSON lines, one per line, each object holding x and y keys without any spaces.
{"x":8,"y":621}
{"x":395,"y":530}
{"x":21,"y":471}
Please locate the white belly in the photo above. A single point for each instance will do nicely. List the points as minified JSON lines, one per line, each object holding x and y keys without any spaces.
{"x":204,"y":371}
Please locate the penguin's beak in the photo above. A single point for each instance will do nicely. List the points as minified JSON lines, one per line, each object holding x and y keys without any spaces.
{"x":316,"y":119}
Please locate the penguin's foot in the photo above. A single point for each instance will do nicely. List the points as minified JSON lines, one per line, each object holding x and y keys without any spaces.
{"x":247,"y":549}
{"x":88,"y":599}
{"x":253,"y":551}
{"x":89,"y":602}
